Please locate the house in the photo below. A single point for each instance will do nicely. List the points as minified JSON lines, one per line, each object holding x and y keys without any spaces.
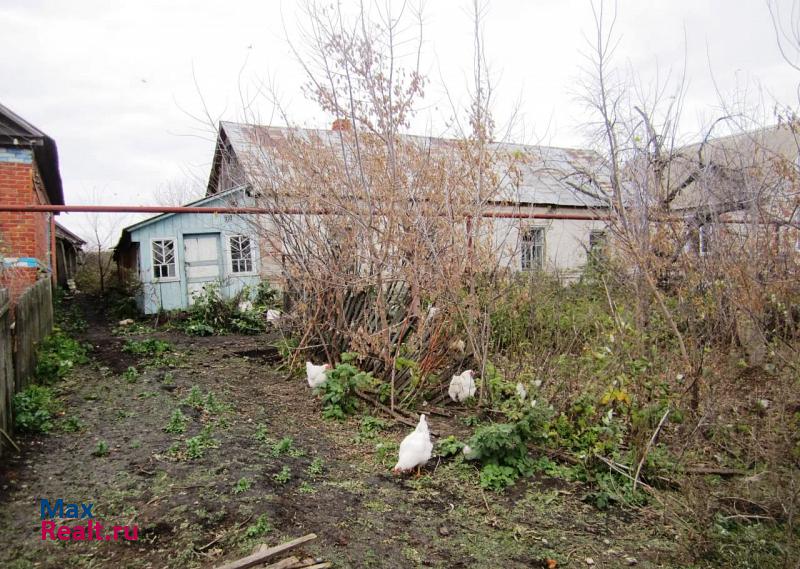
{"x":545,"y":183}
{"x":29,"y":175}
{"x":175,"y":255}
{"x":69,"y":255}
{"x":726,"y":184}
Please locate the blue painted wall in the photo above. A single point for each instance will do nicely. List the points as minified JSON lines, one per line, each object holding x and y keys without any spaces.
{"x":16,"y":155}
{"x":171,"y":294}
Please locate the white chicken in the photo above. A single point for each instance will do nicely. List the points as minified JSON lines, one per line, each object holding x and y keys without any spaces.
{"x":316,"y":374}
{"x":462,"y":387}
{"x":416,"y":448}
{"x":273,"y":315}
{"x":522,"y":393}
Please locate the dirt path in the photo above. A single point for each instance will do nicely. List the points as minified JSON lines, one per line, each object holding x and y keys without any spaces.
{"x":270,"y":467}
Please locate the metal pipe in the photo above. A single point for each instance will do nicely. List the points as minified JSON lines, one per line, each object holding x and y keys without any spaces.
{"x":301,"y":211}
{"x":260,"y":210}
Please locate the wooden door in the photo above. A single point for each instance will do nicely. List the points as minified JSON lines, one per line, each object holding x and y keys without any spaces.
{"x":201,"y":257}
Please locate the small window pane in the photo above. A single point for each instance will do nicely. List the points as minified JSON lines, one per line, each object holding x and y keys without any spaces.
{"x":597,"y":246}
{"x":164,"y":258}
{"x":533,"y":249}
{"x":241,"y":254}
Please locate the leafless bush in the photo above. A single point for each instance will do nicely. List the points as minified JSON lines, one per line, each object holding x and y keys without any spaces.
{"x":381,"y":234}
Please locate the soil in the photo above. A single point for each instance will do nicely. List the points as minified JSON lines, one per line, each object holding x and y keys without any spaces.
{"x":248,"y":489}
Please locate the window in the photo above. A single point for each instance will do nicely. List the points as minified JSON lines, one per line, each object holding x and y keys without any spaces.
{"x":241,"y":254}
{"x":533,"y":249}
{"x":597,"y":245}
{"x":164,"y":259}
{"x":704,"y":239}
{"x":796,"y":223}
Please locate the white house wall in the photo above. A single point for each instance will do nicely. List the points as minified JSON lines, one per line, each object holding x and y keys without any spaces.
{"x":566,"y":241}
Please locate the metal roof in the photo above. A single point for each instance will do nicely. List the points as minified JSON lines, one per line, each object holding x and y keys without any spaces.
{"x":547,"y":175}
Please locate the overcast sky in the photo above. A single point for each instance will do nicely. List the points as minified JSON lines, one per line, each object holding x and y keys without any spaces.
{"x":116,"y":83}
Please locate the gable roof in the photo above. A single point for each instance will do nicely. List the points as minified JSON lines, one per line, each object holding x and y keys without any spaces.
{"x":729,"y":173}
{"x":200,"y":202}
{"x":17,"y":132}
{"x":543,"y":177}
{"x":125,"y":236}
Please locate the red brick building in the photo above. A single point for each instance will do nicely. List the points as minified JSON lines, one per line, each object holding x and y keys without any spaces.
{"x":29,"y":175}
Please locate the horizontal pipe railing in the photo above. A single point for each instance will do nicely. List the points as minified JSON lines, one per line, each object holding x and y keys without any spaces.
{"x":299,"y":211}
{"x":258,"y":210}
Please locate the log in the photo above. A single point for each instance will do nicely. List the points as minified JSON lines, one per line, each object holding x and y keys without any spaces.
{"x":283,"y":563}
{"x":260,"y":557}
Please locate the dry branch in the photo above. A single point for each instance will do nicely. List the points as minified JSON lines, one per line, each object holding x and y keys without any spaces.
{"x":394,"y":414}
{"x":647,"y":449}
{"x":260,"y":557}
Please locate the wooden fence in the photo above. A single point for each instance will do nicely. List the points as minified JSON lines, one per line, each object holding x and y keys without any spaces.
{"x":20,"y":335}
{"x":6,"y":365}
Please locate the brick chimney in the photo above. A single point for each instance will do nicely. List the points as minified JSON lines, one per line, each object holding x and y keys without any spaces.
{"x":340,"y":125}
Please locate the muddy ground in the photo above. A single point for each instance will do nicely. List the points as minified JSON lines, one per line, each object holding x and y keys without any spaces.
{"x":251,"y":486}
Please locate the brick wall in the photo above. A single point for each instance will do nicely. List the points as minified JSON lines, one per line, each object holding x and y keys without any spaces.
{"x":22,"y":234}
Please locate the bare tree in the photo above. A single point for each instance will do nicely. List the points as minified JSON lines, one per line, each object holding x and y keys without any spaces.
{"x":101,"y":232}
{"x":179,"y":191}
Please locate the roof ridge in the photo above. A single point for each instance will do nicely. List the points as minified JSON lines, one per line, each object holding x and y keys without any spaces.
{"x":408,"y":135}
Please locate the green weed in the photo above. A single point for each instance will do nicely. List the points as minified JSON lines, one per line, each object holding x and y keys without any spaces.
{"x":316,"y":467}
{"x":71,"y":425}
{"x":177,"y":423}
{"x":260,"y":528}
{"x":339,"y":391}
{"x":34,"y":408}
{"x":57,"y":355}
{"x":283,"y":446}
{"x":101,"y":449}
{"x":262,"y":433}
{"x":242,"y":485}
{"x":283,"y":476}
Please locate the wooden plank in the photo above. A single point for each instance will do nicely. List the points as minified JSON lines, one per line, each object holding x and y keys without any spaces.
{"x":309,"y":563}
{"x":260,"y":557}
{"x":283,"y":564}
{"x":6,"y":366}
{"x":33,"y":315}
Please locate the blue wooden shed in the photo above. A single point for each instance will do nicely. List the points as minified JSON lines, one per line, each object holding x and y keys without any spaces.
{"x":176,"y":255}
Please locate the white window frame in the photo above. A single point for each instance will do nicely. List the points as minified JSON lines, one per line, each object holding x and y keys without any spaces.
{"x":229,"y":255}
{"x":177,"y":276}
{"x":526,"y":259}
